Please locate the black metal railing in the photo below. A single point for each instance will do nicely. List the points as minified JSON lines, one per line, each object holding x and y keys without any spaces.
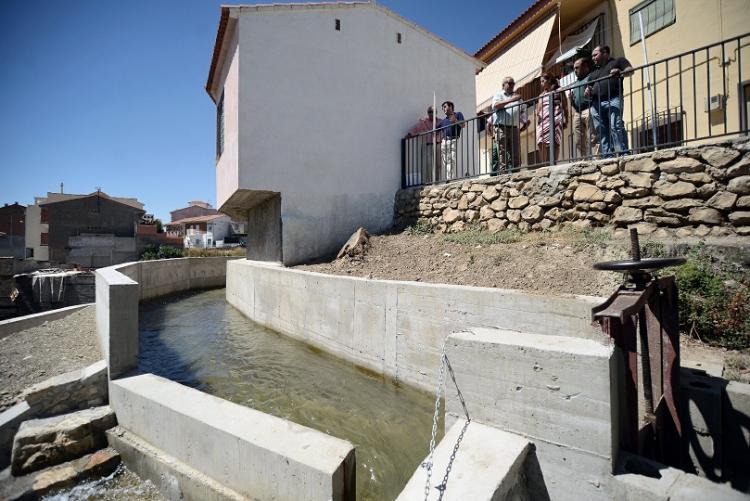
{"x":695,"y":96}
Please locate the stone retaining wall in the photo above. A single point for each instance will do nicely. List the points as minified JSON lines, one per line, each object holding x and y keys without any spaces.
{"x":697,"y":191}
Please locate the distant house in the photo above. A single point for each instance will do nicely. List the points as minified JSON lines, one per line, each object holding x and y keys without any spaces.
{"x":91,"y":230}
{"x":312,"y":102}
{"x":194,"y":208}
{"x":200,"y":225}
{"x":12,"y":230}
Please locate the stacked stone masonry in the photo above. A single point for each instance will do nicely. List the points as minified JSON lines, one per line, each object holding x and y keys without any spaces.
{"x":697,"y":191}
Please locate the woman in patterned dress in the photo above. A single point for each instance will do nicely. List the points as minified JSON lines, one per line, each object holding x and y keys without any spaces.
{"x":550,"y":90}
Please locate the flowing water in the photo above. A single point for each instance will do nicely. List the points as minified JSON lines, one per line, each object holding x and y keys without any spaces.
{"x":199,"y":340}
{"x":122,"y":485}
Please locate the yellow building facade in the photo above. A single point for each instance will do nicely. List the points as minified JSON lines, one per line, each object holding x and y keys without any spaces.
{"x":694,"y":95}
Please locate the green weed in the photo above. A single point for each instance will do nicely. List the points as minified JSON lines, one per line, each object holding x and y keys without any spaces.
{"x":714,"y":300}
{"x":474,"y":235}
{"x":421,"y":227}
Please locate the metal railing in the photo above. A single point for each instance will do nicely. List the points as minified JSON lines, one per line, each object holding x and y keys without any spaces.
{"x":695,"y":96}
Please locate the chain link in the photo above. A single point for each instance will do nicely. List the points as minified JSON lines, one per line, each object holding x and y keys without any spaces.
{"x":444,"y":363}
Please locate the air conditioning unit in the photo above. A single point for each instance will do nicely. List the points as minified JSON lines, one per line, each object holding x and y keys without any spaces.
{"x":714,"y":103}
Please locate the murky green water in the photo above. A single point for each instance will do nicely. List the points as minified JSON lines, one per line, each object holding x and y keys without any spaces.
{"x":198,"y":339}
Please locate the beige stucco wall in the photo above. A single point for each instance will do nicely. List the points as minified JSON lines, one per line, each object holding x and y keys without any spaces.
{"x":227,"y":171}
{"x":34,"y":229}
{"x":321,"y":114}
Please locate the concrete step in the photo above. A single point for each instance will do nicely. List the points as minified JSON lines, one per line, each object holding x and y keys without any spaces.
{"x":41,"y":443}
{"x":173,"y":478}
{"x":39,"y":483}
{"x":489,"y":464}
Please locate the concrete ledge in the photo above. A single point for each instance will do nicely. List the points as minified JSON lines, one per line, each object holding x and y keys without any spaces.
{"x":556,"y":391}
{"x":639,"y":479}
{"x":489,"y":464}
{"x":391,"y":327}
{"x":254,"y":454}
{"x":75,"y":390}
{"x":8,"y":327}
{"x":174,"y":479}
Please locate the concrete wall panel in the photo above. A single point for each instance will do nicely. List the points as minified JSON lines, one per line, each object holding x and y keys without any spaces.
{"x":396,"y":328}
{"x":556,"y":391}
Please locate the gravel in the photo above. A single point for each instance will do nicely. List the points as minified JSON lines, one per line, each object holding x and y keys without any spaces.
{"x":33,"y":355}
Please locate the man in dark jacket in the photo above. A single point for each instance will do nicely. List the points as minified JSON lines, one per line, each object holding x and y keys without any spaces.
{"x":605,"y":91}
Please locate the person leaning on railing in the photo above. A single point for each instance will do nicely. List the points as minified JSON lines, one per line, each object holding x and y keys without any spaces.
{"x":506,"y":127}
{"x":550,"y":122}
{"x":428,"y":143}
{"x":451,"y":127}
{"x":584,"y":134}
{"x":605,"y":91}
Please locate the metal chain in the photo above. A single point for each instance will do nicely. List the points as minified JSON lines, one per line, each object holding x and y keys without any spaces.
{"x":428,"y":464}
{"x":444,"y":362}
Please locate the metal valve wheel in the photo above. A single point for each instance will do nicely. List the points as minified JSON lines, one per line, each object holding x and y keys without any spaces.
{"x":646,"y":265}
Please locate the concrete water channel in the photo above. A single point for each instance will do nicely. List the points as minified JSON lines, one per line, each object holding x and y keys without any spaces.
{"x":199,"y":340}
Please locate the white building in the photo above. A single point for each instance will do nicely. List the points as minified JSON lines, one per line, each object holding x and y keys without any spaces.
{"x":312,"y":102}
{"x":201,"y":231}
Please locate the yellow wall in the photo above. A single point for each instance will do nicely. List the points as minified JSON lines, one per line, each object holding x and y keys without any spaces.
{"x":698,"y":23}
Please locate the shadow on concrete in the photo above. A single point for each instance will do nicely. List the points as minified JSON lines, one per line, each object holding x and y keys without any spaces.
{"x":716,"y":435}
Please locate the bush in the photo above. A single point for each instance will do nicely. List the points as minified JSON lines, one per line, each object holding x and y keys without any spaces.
{"x":714,"y":299}
{"x":215,"y":252}
{"x":421,"y":227}
{"x":160,"y":252}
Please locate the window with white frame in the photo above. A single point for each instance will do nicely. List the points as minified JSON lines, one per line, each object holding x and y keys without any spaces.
{"x":657,"y":15}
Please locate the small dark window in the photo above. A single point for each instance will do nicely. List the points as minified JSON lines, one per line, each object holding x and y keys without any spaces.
{"x":398,"y":37}
{"x":338,"y":24}
{"x":220,"y":126}
{"x":44,"y":217}
{"x":44,"y":239}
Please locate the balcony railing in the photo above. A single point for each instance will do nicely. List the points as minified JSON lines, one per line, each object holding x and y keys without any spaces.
{"x":699,"y":95}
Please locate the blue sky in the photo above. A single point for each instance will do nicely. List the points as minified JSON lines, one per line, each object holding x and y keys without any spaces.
{"x":110,"y":94}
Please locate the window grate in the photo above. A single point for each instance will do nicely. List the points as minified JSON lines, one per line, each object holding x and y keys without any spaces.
{"x":657,"y":15}
{"x":220,"y":126}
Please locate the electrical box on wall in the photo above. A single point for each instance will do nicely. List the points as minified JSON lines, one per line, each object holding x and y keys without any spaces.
{"x":714,"y":103}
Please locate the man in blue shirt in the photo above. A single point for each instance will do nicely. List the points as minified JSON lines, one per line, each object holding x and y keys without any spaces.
{"x":450,"y":127}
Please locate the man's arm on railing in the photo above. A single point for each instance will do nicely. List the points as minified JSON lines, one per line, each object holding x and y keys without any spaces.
{"x":502,"y":104}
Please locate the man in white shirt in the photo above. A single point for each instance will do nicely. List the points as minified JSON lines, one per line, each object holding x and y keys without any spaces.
{"x":507,"y":108}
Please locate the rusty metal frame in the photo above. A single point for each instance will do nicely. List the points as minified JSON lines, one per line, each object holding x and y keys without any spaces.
{"x":650,"y":312}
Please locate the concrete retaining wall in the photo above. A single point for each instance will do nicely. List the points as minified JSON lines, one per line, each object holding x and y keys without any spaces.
{"x":119,"y":289}
{"x":255,"y":454}
{"x":393,"y":328}
{"x":13,"y":325}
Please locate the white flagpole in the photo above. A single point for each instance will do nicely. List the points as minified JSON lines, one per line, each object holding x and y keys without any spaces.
{"x":434,"y":137}
{"x":648,"y":81}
